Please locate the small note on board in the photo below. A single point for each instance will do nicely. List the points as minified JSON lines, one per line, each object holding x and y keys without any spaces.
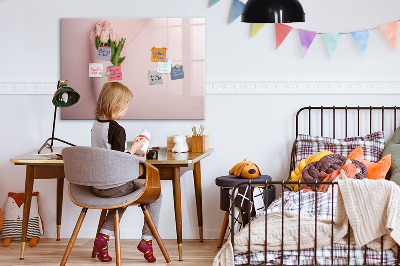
{"x":164,"y":67}
{"x":95,"y":70}
{"x":177,"y":72}
{"x":104,"y":53}
{"x":115,"y":73}
{"x":155,"y":78}
{"x":158,"y":54}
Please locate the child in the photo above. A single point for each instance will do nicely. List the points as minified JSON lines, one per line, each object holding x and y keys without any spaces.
{"x":106,"y":133}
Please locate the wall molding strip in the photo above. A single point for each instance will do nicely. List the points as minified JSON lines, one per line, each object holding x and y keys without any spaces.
{"x":248,"y":87}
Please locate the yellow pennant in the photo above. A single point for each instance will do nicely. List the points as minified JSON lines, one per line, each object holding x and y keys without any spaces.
{"x":255,"y":28}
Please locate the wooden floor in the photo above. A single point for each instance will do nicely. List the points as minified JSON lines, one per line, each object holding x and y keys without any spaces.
{"x":50,"y":252}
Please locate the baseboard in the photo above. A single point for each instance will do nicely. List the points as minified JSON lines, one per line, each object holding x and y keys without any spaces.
{"x":247,"y":87}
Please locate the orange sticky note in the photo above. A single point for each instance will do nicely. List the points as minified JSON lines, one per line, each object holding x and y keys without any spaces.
{"x":158,"y":54}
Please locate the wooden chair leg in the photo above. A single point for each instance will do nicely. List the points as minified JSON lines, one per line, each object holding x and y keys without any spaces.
{"x":117,"y":238}
{"x":223,"y":229}
{"x":73,"y":237}
{"x":154,"y":230}
{"x":101,"y":222}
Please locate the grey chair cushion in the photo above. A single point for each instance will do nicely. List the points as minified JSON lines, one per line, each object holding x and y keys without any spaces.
{"x":83,"y":195}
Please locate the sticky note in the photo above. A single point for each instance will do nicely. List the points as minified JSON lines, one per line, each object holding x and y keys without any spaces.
{"x":164,"y":67}
{"x":95,"y":70}
{"x":115,"y":73}
{"x":177,"y":72}
{"x":155,"y":78}
{"x":104,"y":53}
{"x":158,"y":54}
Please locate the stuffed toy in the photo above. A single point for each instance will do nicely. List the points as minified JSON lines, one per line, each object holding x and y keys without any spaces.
{"x":245,"y":169}
{"x":348,"y":170}
{"x":375,"y":170}
{"x":13,"y":215}
{"x":296,"y":174}
{"x":328,"y":164}
{"x":180,"y":144}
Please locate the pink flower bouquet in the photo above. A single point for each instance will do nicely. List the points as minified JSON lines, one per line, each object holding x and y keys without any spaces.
{"x":103,"y":35}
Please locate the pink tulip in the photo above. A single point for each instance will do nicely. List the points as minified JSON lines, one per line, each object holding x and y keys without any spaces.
{"x":106,"y":25}
{"x":105,"y":35}
{"x":113,"y":35}
{"x":97,"y":30}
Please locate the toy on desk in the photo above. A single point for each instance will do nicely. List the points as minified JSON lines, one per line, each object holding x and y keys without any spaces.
{"x":245,"y":169}
{"x":144,"y":134}
{"x":13,"y":216}
{"x":180,"y":144}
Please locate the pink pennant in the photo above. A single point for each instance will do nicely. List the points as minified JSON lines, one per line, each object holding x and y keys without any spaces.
{"x":281,"y":31}
{"x":389,"y":30}
{"x":306,"y":39}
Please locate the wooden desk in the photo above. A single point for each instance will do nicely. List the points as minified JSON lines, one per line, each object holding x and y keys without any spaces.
{"x":171,"y":167}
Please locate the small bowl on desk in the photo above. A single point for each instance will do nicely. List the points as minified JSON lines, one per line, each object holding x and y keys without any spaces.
{"x":152,"y":155}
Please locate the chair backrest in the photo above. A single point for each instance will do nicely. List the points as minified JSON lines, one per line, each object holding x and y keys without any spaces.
{"x":92,"y":166}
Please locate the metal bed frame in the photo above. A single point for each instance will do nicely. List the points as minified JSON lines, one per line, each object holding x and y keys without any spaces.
{"x":284,"y":183}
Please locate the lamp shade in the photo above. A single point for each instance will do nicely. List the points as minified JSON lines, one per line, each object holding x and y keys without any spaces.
{"x":273,"y":11}
{"x":65,"y":96}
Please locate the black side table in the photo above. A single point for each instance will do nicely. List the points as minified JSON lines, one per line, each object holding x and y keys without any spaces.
{"x":226,"y":183}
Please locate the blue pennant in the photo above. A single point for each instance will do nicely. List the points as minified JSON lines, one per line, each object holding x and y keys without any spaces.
{"x":361,"y":37}
{"x":237,"y":9}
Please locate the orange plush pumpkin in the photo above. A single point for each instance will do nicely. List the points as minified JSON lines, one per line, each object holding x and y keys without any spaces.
{"x":245,"y":169}
{"x":375,"y":170}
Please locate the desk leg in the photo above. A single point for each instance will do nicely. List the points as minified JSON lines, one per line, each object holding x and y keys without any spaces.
{"x":176,"y":182}
{"x":27,"y":206}
{"x":197,"y":189}
{"x":60,"y":190}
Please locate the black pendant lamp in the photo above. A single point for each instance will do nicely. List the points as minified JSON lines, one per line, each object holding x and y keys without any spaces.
{"x":273,"y":11}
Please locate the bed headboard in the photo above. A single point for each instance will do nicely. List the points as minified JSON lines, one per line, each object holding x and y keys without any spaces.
{"x":344,"y":121}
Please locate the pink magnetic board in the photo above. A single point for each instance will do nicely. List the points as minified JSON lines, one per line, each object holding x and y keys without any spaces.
{"x":175,"y":98}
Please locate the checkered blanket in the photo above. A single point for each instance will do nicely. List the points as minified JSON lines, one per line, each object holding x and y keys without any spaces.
{"x":324,"y":206}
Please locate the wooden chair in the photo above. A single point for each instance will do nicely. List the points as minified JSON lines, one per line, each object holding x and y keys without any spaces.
{"x":85,"y":167}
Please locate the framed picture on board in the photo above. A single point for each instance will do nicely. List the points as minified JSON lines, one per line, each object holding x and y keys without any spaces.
{"x":161,"y":60}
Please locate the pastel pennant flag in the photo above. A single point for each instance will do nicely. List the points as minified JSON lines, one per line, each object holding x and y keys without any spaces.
{"x":213,"y":2}
{"x":306,"y":39}
{"x":281,"y":31}
{"x":361,"y":37}
{"x":389,"y":30}
{"x":332,"y":41}
{"x":237,"y":9}
{"x":256,"y":27}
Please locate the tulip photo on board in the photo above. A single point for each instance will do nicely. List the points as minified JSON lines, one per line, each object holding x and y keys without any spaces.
{"x":106,"y":40}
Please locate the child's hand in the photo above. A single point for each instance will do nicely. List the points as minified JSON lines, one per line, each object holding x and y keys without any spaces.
{"x":143,"y":155}
{"x":137,"y":144}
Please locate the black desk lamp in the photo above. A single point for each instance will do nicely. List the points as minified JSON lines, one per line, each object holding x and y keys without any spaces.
{"x":273,"y":11}
{"x":64,"y":96}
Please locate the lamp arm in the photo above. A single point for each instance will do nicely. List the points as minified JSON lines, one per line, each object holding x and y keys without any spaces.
{"x":54,"y":126}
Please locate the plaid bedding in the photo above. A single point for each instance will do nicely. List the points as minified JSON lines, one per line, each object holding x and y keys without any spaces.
{"x":372,"y":145}
{"x":323,"y":207}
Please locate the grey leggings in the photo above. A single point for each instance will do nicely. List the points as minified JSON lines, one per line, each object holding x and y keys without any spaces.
{"x":154,"y":208}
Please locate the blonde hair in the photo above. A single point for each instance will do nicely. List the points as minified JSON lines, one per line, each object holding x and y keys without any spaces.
{"x":113,"y":98}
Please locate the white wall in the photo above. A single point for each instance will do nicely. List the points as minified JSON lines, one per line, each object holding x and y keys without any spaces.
{"x":259,"y":127}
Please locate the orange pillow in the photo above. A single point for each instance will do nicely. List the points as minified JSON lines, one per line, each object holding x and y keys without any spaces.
{"x":375,"y":170}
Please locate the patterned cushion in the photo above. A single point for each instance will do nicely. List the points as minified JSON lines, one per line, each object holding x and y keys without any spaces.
{"x":372,"y":144}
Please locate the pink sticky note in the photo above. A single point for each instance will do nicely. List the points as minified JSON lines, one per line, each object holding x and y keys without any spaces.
{"x":115,"y":73}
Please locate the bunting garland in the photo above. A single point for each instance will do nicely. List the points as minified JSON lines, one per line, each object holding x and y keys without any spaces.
{"x":361,"y":37}
{"x":389,"y":30}
{"x":237,"y":9}
{"x":256,"y":27}
{"x":281,"y":31}
{"x":332,"y":41}
{"x":306,"y":39}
